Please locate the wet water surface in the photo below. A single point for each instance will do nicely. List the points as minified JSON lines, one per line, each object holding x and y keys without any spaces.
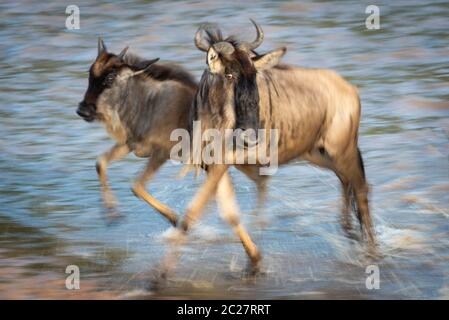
{"x":51,"y":214}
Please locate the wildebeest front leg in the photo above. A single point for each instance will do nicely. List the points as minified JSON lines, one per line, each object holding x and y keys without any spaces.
{"x":156,"y":161}
{"x":261,"y":181}
{"x":115,"y":153}
{"x":207,"y":190}
{"x":230,"y":213}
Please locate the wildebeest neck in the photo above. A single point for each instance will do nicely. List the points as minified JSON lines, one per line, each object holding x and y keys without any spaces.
{"x":164,"y":72}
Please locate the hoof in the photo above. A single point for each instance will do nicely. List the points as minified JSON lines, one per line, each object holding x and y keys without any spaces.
{"x":261,"y":223}
{"x":113,"y":216}
{"x":254,"y":264}
{"x":352,"y":234}
{"x":109,"y":201}
{"x":174,"y":235}
{"x":158,"y":280}
{"x":373,"y":249}
{"x":173,"y":219}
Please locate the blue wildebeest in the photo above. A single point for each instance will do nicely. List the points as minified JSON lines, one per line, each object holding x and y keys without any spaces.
{"x":140,"y":102}
{"x":316,"y":112}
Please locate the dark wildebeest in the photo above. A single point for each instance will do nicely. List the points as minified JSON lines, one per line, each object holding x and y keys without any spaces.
{"x":140,"y":102}
{"x":316,"y":112}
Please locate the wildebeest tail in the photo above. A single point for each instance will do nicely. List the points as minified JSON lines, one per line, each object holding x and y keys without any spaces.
{"x":354,"y":206}
{"x":361,"y":165}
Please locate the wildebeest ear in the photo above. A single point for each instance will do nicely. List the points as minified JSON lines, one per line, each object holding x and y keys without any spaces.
{"x":269,"y":60}
{"x":101,"y":46}
{"x":142,"y":66}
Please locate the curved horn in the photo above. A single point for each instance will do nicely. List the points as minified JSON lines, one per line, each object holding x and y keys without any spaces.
{"x":101,"y":46}
{"x":122,"y":53}
{"x":259,"y":38}
{"x":200,"y":42}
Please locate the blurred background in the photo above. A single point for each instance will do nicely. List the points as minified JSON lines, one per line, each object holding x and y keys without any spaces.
{"x":51,"y":213}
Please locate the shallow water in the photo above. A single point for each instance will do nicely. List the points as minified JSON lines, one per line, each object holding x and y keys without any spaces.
{"x":51,"y":214}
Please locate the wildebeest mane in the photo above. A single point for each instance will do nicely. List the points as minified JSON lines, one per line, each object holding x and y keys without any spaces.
{"x":214,"y":35}
{"x":208,"y":97}
{"x":163,"y":72}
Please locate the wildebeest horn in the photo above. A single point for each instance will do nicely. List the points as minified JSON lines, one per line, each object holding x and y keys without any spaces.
{"x":224,"y":47}
{"x":253,"y":45}
{"x":200,"y":42}
{"x":122,"y":53}
{"x":101,"y":46}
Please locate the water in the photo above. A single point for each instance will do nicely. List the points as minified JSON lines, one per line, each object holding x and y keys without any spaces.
{"x":51,"y":214}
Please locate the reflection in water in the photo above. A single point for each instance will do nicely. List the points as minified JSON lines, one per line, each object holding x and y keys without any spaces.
{"x":51,"y":214}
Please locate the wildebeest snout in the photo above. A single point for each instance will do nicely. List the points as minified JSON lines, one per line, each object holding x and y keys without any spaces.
{"x":248,"y":126}
{"x":86,"y":111}
{"x":247,"y":137}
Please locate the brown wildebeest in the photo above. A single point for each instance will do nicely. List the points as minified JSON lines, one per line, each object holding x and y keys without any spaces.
{"x":140,"y":102}
{"x":316,"y":112}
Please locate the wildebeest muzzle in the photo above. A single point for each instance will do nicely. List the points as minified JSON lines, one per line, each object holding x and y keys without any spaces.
{"x":86,"y":111}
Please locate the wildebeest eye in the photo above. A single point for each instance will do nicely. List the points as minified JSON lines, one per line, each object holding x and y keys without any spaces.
{"x":109,"y":79}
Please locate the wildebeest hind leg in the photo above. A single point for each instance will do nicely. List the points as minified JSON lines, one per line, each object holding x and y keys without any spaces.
{"x":352,"y":168}
{"x":347,"y":206}
{"x":117,"y":152}
{"x":155,"y":162}
{"x":321,"y":158}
